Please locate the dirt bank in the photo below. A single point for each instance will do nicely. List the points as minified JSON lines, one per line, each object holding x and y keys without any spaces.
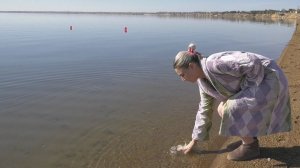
{"x":279,"y":150}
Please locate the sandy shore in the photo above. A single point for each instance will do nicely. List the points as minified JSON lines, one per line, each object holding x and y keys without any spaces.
{"x":279,"y":150}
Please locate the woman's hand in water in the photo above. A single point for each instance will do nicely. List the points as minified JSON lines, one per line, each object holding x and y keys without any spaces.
{"x":187,"y":148}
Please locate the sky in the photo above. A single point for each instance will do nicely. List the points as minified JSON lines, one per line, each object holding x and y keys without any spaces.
{"x":146,"y":5}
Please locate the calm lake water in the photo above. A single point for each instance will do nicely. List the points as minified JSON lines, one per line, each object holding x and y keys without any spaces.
{"x":95,"y":96}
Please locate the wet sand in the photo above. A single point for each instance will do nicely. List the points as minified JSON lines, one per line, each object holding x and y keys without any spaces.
{"x":278,"y":150}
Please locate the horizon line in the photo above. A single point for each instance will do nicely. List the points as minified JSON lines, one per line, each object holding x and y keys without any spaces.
{"x":54,"y":11}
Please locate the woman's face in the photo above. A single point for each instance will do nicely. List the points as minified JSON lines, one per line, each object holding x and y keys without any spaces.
{"x":189,"y":74}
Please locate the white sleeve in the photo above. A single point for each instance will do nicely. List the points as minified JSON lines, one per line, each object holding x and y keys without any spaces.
{"x":203,"y":118}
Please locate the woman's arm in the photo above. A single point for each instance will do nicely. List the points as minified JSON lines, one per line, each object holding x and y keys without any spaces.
{"x":203,"y":118}
{"x":203,"y":121}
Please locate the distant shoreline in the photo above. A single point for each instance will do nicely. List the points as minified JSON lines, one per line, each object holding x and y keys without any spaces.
{"x":78,"y":12}
{"x":267,"y":16}
{"x":291,"y":11}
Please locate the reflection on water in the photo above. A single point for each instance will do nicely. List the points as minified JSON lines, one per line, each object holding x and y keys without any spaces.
{"x":97,"y":97}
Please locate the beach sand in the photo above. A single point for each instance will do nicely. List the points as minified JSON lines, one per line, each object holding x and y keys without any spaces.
{"x":278,"y":150}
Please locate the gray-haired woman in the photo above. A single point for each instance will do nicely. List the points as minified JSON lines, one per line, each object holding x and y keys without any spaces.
{"x":253,"y":92}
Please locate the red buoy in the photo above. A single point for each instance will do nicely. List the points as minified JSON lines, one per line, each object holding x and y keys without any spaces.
{"x":125,"y":29}
{"x":71,"y":27}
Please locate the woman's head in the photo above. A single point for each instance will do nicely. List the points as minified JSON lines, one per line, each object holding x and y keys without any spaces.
{"x":187,"y":66}
{"x":184,"y":58}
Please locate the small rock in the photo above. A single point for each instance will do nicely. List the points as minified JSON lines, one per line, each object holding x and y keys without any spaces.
{"x":280,"y":138}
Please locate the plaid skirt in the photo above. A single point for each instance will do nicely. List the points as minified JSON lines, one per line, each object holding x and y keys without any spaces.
{"x":259,"y":110}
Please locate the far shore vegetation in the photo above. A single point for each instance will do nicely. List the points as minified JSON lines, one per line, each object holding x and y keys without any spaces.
{"x":285,"y":15}
{"x":253,"y":12}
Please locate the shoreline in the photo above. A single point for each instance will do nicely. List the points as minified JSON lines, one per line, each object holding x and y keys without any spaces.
{"x":219,"y":15}
{"x":280,"y":149}
{"x":234,"y":16}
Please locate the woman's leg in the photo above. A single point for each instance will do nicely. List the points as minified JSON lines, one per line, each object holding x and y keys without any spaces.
{"x":249,"y":148}
{"x":247,"y":151}
{"x":248,"y":140}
